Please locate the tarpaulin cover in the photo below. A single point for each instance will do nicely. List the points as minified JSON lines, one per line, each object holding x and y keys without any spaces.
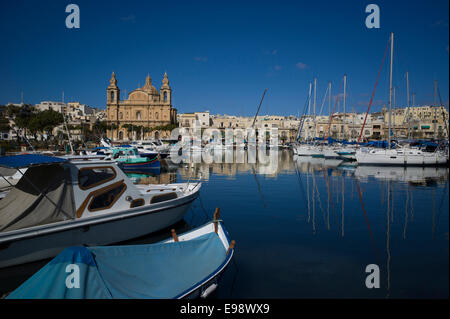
{"x":25,"y":160}
{"x":161,"y":270}
{"x":43,"y":195}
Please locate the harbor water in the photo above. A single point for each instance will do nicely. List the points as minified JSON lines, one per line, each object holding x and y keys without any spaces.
{"x":309,"y":227}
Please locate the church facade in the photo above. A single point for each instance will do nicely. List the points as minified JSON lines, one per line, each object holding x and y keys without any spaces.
{"x":143,"y":110}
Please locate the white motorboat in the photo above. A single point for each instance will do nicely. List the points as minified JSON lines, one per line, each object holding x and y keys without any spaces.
{"x":60,"y":203}
{"x":151,"y":148}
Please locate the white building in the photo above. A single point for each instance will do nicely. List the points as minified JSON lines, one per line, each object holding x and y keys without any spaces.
{"x":51,"y":105}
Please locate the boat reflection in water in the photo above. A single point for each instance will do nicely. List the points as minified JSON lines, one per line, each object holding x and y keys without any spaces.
{"x":412,"y":175}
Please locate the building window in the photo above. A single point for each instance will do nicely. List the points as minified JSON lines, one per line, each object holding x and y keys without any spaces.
{"x":112,"y":96}
{"x":165,"y":97}
{"x":156,"y":115}
{"x":138,"y":115}
{"x":121,"y":115}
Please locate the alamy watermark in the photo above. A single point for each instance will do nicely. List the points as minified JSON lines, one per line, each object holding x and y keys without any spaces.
{"x":73,"y":279}
{"x":373,"y":19}
{"x":73,"y":19}
{"x":373,"y":279}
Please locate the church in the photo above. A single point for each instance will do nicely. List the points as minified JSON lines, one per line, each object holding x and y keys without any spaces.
{"x":145,"y":107}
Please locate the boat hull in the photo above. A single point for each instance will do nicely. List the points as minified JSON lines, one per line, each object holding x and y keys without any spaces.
{"x":149,"y":165}
{"x":101,"y":232}
{"x":394,"y":159}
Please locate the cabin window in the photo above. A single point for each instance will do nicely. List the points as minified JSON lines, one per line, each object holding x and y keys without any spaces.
{"x":89,"y":177}
{"x":107,"y":198}
{"x":163,"y":197}
{"x":137,"y":202}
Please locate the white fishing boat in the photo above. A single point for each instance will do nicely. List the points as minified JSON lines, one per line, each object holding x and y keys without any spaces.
{"x":60,"y":203}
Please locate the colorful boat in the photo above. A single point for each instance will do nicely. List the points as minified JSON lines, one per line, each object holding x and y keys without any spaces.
{"x":129,"y":159}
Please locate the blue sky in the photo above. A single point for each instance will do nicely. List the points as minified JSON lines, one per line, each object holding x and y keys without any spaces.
{"x":221,"y":55}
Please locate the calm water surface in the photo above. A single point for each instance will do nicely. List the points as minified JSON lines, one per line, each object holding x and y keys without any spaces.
{"x":310,"y":228}
{"x":307,"y":228}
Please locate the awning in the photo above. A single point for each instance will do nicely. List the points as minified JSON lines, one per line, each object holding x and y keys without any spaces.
{"x":26,"y":160}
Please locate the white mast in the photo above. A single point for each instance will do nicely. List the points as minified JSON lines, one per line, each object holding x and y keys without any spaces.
{"x":343,"y":118}
{"x":329,"y":107}
{"x":63,"y":109}
{"x":435,"y":106}
{"x":390,"y":89}
{"x":407,"y":102}
{"x":309,"y":104}
{"x":315,"y":93}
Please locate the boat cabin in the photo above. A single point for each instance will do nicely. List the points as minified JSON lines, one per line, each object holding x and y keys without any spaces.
{"x":55,"y":189}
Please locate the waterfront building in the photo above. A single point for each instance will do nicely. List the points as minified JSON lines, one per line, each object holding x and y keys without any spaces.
{"x":144,"y":107}
{"x":428,"y":122}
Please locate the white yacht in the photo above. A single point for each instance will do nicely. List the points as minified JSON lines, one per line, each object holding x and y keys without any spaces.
{"x":400,"y":156}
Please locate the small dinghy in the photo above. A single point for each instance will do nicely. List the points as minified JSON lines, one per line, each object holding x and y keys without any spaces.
{"x":186,"y":266}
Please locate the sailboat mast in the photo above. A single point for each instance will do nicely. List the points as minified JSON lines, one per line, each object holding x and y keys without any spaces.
{"x":315,"y":93}
{"x":343,"y":118}
{"x":63,"y":109}
{"x":407,"y":103}
{"x":259,"y":106}
{"x":435,"y":107}
{"x":390,"y":89}
{"x":309,"y":105}
{"x":329,"y":107}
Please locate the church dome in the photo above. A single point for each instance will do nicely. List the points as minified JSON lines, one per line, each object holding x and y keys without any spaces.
{"x":148,"y":87}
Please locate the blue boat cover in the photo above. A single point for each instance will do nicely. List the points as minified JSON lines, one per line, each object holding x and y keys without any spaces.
{"x":161,"y":270}
{"x":25,"y":160}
